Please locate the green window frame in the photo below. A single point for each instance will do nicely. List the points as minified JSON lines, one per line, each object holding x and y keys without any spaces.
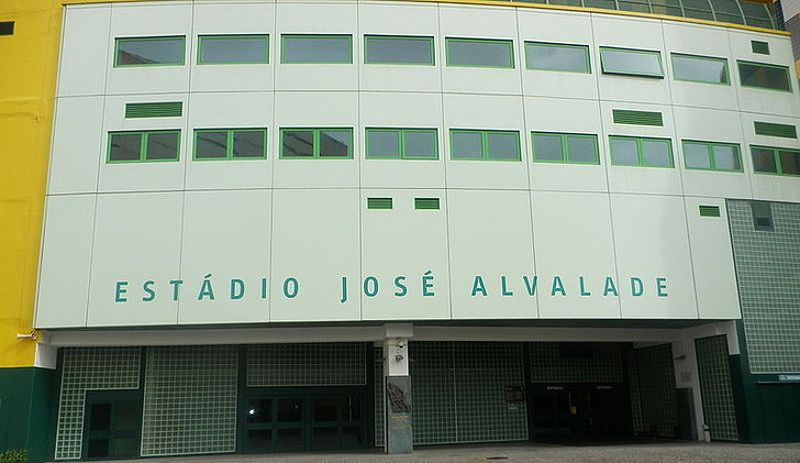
{"x":145,"y":137}
{"x":508,"y":64}
{"x":725,"y":78}
{"x":204,"y":40}
{"x":402,"y":141}
{"x":487,"y":153}
{"x":786,"y":161}
{"x":531,"y":64}
{"x":430,"y":61}
{"x":713,"y":149}
{"x":121,"y":41}
{"x":608,"y":67}
{"x":785,"y":85}
{"x":347,"y":60}
{"x":641,"y":151}
{"x":316,"y":139}
{"x":564,"y":141}
{"x":230,"y":152}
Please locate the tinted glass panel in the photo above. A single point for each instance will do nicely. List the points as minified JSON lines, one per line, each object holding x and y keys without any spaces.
{"x":234,"y":49}
{"x":144,"y":51}
{"x":395,"y":50}
{"x":656,"y":153}
{"x":383,"y":143}
{"x":324,"y":409}
{"x":211,"y":145}
{"x":248,"y":144}
{"x":126,"y":416}
{"x":420,"y":144}
{"x":98,"y":448}
{"x":290,"y":439}
{"x":351,"y":410}
{"x":557,"y":57}
{"x":259,"y":439}
{"x":772,"y":77}
{"x":467,"y":145}
{"x":290,"y":410}
{"x":790,"y":162}
{"x":259,"y":411}
{"x":162,"y":145}
{"x":547,"y":147}
{"x":124,"y":447}
{"x":317,"y":49}
{"x":764,"y":161}
{"x":699,"y":69}
{"x":351,"y":437}
{"x":100,"y":419}
{"x":325,"y":438}
{"x":631,"y":62}
{"x":335,"y":143}
{"x":582,"y":149}
{"x":479,"y":53}
{"x":726,"y":157}
{"x":623,"y":152}
{"x":696,"y":156}
{"x":125,"y":146}
{"x":503,"y":145}
{"x":297,"y":143}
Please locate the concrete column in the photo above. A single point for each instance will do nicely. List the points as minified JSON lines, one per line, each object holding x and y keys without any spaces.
{"x":397,"y":392}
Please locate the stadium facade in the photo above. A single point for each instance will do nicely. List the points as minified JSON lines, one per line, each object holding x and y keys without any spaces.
{"x":252,"y":226}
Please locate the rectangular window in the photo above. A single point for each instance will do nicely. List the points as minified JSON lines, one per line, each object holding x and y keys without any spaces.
{"x":762,"y":216}
{"x":325,"y":143}
{"x":709,"y":211}
{"x":321,"y":49}
{"x":570,"y":148}
{"x":233,"y":49}
{"x":627,"y":116}
{"x":210,"y":144}
{"x":640,"y":151}
{"x":488,"y":53}
{"x":766,"y":76}
{"x":397,"y":49}
{"x":426,"y":203}
{"x":155,"y":109}
{"x":770,"y":129}
{"x":761,"y":48}
{"x":775,"y":160}
{"x":711,"y":156}
{"x":379,"y":203}
{"x":150,"y":51}
{"x":487,"y":145}
{"x":705,"y":69}
{"x":631,"y":62}
{"x":143,"y":146}
{"x":390,"y":143}
{"x":557,"y":57}
{"x":7,"y":28}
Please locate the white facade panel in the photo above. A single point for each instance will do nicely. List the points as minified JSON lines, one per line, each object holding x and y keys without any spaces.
{"x":78,"y":148}
{"x":225,"y":235}
{"x":136,"y":245}
{"x":404,"y":268}
{"x":491,"y":255}
{"x":66,"y":259}
{"x":84,"y":55}
{"x":574,"y":255}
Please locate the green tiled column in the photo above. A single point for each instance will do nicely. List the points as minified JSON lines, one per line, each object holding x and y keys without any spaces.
{"x":716,"y":388}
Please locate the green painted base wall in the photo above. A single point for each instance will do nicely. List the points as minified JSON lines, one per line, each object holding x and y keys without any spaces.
{"x":26,"y":410}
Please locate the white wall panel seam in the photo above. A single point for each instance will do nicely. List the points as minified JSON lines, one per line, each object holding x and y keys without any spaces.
{"x":359,"y":155}
{"x":276,"y":144}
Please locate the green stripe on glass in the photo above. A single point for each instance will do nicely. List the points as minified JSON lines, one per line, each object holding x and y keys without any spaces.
{"x":379,"y":203}
{"x":709,"y":211}
{"x":426,"y":203}
{"x":625,"y":116}
{"x":770,"y":129}
{"x":160,"y":109}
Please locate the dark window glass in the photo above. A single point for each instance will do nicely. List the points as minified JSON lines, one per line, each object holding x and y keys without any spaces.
{"x":324,"y":409}
{"x":481,"y":53}
{"x":7,"y":28}
{"x":290,"y":410}
{"x":764,"y":76}
{"x":290,"y":439}
{"x":259,"y":411}
{"x":790,"y":162}
{"x":317,"y":49}
{"x":125,"y":147}
{"x":211,"y":145}
{"x":325,"y":438}
{"x":100,"y":419}
{"x":298,"y":143}
{"x":162,"y":145}
{"x":98,"y":448}
{"x":150,"y":51}
{"x":762,"y":216}
{"x":399,"y":50}
{"x":248,"y":143}
{"x":335,"y":143}
{"x":764,"y":160}
{"x":259,"y":439}
{"x":233,"y":49}
{"x":351,"y":410}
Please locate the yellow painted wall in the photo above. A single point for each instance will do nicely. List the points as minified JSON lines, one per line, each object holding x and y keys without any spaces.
{"x":27,"y":89}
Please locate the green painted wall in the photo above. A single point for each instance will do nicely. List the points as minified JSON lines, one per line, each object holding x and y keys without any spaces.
{"x":26,"y":404}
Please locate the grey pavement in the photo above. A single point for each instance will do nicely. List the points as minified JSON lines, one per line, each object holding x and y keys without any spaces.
{"x":669,"y":452}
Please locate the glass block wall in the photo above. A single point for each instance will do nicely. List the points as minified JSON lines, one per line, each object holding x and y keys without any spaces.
{"x":458,"y":392}
{"x":310,"y":364}
{"x":602,"y":365}
{"x":657,"y":391}
{"x":730,"y":11}
{"x":84,"y":369}
{"x":716,"y":388}
{"x":768,"y":272}
{"x":189,"y":400}
{"x":635,"y":397}
{"x":379,"y":400}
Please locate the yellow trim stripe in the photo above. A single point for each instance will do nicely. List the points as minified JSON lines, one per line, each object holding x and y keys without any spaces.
{"x":540,"y":6}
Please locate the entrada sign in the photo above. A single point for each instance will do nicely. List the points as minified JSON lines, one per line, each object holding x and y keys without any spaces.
{"x":400,"y":286}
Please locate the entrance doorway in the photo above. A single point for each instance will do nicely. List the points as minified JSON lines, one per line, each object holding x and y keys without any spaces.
{"x":579,"y":412}
{"x":112,"y":420}
{"x":300,"y":420}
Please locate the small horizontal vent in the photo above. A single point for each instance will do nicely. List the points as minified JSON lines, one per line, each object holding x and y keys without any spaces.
{"x":6,"y":27}
{"x":379,"y":203}
{"x":162,"y":109}
{"x":709,"y":211}
{"x":625,"y":116}
{"x":775,"y":130}
{"x":762,"y":48}
{"x":426,"y":203}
